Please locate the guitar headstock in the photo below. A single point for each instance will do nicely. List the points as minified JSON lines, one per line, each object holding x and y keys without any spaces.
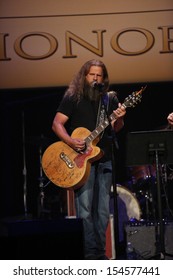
{"x":134,"y":98}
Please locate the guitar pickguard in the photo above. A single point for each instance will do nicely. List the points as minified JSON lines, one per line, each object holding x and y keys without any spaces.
{"x":80,"y":158}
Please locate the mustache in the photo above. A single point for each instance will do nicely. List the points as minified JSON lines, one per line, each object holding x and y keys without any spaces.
{"x":98,"y":86}
{"x":91,"y":93}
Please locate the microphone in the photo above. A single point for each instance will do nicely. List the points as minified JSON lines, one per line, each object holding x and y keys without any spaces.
{"x":96,"y":85}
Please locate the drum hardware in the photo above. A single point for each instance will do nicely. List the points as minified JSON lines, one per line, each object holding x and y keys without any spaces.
{"x":170,"y":175}
{"x":164,"y":176}
{"x":149,"y":204}
{"x":42,"y":184}
{"x":41,"y":142}
{"x":140,"y":175}
{"x":142,"y":181}
{"x":168,"y":207}
{"x":157,"y":149}
{"x":145,"y":200}
{"x":167,"y":182}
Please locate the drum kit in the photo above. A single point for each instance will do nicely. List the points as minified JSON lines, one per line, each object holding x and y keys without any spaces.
{"x":139,"y":194}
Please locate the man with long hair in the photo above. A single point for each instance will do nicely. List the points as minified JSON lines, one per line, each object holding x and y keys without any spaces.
{"x":87,"y":103}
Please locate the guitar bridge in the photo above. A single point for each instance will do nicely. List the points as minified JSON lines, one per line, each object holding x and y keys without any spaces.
{"x":67,"y":160}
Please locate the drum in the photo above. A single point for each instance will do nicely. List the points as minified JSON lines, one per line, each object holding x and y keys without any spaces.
{"x":167,"y":179}
{"x":143,"y":185}
{"x":141,"y":174}
{"x":131,"y":203}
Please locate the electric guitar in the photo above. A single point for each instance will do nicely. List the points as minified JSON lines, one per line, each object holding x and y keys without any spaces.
{"x":68,"y":168}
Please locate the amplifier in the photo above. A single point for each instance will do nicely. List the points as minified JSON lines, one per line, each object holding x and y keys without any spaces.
{"x":143,"y":237}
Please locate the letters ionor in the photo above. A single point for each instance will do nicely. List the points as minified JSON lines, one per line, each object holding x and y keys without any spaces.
{"x":70,"y":38}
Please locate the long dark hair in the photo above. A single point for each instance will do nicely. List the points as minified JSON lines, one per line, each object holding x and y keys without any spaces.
{"x":76,"y":87}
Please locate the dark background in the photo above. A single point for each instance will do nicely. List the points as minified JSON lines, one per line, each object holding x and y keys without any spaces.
{"x":27,"y":115}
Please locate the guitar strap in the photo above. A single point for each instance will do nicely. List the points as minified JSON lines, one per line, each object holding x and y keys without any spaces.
{"x":101,"y":114}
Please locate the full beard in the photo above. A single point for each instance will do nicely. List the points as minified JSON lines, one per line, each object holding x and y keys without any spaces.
{"x":91,"y":93}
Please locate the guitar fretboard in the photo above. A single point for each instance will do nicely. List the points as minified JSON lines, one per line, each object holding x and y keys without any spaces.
{"x":130,"y":101}
{"x":96,"y":132}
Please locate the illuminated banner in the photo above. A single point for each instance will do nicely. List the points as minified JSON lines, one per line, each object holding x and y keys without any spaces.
{"x":43,"y":50}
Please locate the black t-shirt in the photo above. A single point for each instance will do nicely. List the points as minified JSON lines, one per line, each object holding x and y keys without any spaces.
{"x":84,"y":114}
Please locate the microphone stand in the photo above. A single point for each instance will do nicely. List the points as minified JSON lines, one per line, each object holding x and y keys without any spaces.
{"x":114,"y":147}
{"x":42,"y":185}
{"x":24,"y":169}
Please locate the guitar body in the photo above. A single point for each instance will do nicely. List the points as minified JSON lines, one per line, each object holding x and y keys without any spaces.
{"x":67,"y":168}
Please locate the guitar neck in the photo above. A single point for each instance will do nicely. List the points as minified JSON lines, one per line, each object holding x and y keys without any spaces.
{"x":97,"y":131}
{"x":130,"y":101}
